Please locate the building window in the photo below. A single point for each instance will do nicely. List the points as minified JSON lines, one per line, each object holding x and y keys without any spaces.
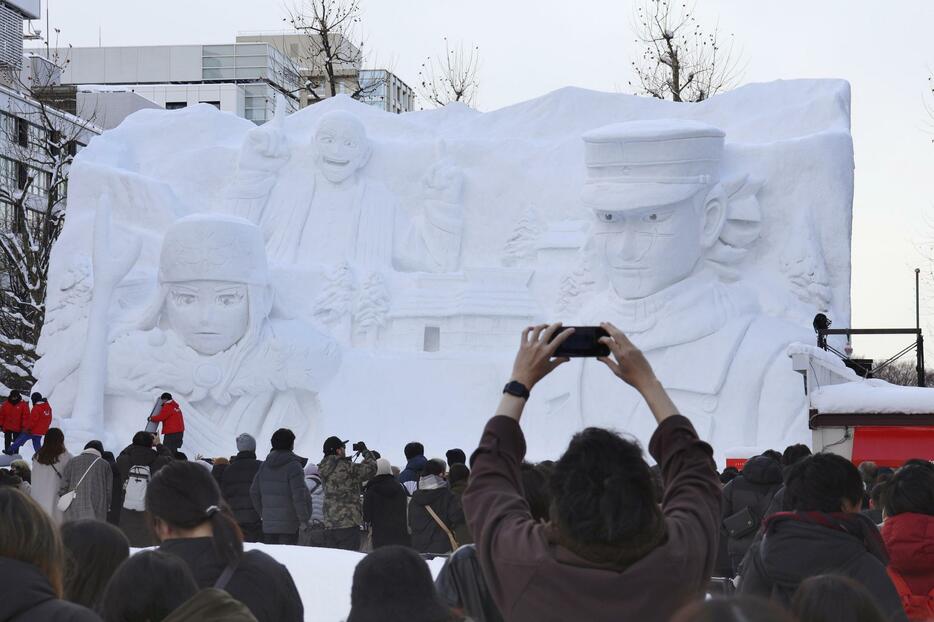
{"x":175,"y":105}
{"x":432,"y":339}
{"x":22,"y":132}
{"x":215,"y":104}
{"x":22,"y":175}
{"x":54,"y":140}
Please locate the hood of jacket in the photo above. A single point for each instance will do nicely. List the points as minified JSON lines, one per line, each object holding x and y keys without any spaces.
{"x":138,"y":454}
{"x":211,"y":605}
{"x":909,"y":539}
{"x":25,"y":587}
{"x":279,"y":458}
{"x":793,"y":550}
{"x":329,"y":464}
{"x":386,"y":486}
{"x":427,"y":497}
{"x":762,"y":470}
{"x":416,"y":464}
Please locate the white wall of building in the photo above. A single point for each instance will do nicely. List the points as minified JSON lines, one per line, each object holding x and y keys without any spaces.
{"x":229,"y":96}
{"x":116,"y":65}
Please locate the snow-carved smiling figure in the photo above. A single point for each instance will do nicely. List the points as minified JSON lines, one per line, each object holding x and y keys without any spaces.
{"x":341,"y":146}
{"x":666,"y":235}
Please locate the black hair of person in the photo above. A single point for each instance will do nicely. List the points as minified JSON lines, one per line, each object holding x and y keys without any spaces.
{"x":185,"y":495}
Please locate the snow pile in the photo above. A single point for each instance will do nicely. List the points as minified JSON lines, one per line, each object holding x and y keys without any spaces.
{"x":872,"y":396}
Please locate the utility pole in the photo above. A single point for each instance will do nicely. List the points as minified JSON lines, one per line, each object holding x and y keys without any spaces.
{"x":920,"y":346}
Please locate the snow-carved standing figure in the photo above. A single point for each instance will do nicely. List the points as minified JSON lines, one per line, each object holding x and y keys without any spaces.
{"x":326,"y":211}
{"x":209,"y":338}
{"x":666,"y":238}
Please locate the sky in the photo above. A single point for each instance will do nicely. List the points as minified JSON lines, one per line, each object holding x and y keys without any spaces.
{"x":530,"y":47}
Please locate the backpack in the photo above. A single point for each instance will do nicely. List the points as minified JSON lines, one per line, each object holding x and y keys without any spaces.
{"x":917,"y":606}
{"x":135,"y":488}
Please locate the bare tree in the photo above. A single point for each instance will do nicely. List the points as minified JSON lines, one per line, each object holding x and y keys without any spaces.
{"x":904,"y":373}
{"x":37,"y":146}
{"x":452,"y":77}
{"x":679,"y":59}
{"x":330,"y":58}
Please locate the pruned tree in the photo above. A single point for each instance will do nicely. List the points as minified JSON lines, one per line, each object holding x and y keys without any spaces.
{"x":679,"y":59}
{"x":39,"y":143}
{"x":452,"y":77}
{"x":330,"y":56}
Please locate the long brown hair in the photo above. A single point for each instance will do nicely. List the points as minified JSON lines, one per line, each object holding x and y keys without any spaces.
{"x":53,"y":446}
{"x":29,"y":536}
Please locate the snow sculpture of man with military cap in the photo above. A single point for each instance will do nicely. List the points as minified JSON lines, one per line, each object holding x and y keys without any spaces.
{"x":209,"y":338}
{"x":667,"y":235}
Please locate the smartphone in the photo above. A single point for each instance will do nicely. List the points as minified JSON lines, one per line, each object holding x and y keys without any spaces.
{"x":584,"y":342}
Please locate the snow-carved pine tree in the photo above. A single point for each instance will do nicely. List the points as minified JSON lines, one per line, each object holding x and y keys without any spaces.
{"x":372,"y":307}
{"x":336,"y":297}
{"x":520,"y":246}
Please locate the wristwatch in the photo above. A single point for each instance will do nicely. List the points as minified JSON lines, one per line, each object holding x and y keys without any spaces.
{"x":516,"y":388}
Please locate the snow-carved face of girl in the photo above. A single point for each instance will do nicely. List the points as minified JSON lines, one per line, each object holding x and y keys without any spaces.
{"x":210,"y":316}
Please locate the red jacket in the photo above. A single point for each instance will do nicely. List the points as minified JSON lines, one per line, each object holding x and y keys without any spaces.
{"x":40,"y":418}
{"x":909,"y":539}
{"x":14,"y":416}
{"x":171,"y":417}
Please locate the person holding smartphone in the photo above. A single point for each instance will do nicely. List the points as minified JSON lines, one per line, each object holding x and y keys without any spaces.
{"x":610,"y":551}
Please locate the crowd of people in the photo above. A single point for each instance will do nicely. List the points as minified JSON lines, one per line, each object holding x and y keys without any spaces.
{"x":597,"y":534}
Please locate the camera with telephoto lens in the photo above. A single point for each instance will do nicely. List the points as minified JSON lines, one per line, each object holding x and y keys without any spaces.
{"x":359,"y":447}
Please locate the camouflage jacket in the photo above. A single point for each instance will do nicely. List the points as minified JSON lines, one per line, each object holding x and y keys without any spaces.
{"x":343,"y":483}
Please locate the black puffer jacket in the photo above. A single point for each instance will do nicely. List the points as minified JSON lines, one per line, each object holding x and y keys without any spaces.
{"x":793,"y":550}
{"x":753,"y":489}
{"x":384,"y":508}
{"x":259,"y":582}
{"x":235,"y":487}
{"x":279,"y":493}
{"x":26,"y":596}
{"x":427,"y":535}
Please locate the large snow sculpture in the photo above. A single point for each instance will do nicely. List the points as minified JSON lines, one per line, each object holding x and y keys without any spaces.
{"x":325,"y":212}
{"x":668,"y":232}
{"x":422,"y":243}
{"x":208,"y":338}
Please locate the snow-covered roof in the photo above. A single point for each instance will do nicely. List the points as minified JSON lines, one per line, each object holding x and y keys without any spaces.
{"x":872,"y":396}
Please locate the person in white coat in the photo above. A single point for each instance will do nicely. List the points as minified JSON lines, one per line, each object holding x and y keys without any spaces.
{"x":48,"y":466}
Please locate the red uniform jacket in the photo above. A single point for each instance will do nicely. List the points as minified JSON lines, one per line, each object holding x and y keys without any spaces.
{"x":40,"y":418}
{"x":534,"y":579}
{"x":14,"y":416}
{"x":909,"y":539}
{"x":171,"y":417}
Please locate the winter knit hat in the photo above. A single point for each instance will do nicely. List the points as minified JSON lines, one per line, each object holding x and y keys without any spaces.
{"x":311,"y":469}
{"x":383,"y":467}
{"x":245,"y":442}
